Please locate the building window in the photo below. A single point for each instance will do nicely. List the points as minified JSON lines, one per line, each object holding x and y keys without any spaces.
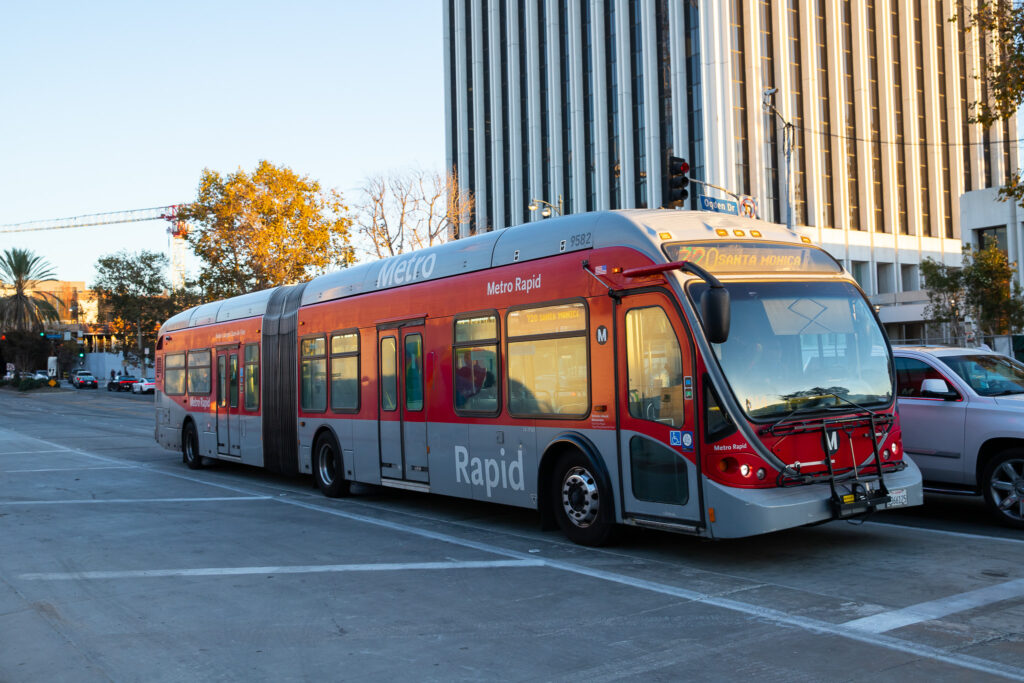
{"x":739,"y":98}
{"x":878,"y":205}
{"x":524,"y":111}
{"x":852,"y":166}
{"x":639,"y":105}
{"x":694,"y":96}
{"x":486,"y":221}
{"x":345,"y":372}
{"x":506,"y":117}
{"x":547,"y":361}
{"x":545,"y":103}
{"x":174,"y":374}
{"x":946,"y":176}
{"x":922,"y":125}
{"x":590,"y":124}
{"x":824,"y":114}
{"x":470,"y":113}
{"x":567,"y":108}
{"x":199,"y":372}
{"x":612,"y":79}
{"x":799,"y":163}
{"x":897,"y":105}
{"x":771,"y":123}
{"x":475,"y":363}
{"x":313,"y":374}
{"x":252,"y":377}
{"x":910,"y":277}
{"x":886,"y":278}
{"x":664,"y":81}
{"x":963,"y":113}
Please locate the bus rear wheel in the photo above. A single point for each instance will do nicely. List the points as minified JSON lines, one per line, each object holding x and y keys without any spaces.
{"x":581,"y":502}
{"x":328,"y":467}
{"x":190,"y":447}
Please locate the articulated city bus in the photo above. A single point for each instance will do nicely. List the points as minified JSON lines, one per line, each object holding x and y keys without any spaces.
{"x":685,"y":371}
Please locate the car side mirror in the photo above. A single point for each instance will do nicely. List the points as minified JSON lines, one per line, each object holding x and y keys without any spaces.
{"x":937,"y":388}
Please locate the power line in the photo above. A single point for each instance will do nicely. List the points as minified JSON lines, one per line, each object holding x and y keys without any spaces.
{"x":915,"y":143}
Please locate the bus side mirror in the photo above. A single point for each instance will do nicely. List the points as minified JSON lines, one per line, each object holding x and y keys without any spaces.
{"x":714,"y":311}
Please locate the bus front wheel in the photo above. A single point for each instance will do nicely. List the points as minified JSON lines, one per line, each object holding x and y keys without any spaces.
{"x":581,"y":502}
{"x":328,"y":467}
{"x":190,"y":447}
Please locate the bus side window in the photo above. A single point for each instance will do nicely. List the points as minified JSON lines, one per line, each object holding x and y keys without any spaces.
{"x":199,"y":372}
{"x":252,"y":377}
{"x":174,"y":374}
{"x":388,"y":374}
{"x":345,"y":372}
{"x":313,"y":373}
{"x":548,"y":365}
{"x":475,"y":363}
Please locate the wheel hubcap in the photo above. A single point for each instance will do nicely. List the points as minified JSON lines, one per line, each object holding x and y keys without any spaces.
{"x":580,"y":497}
{"x":325,"y":463}
{"x":1007,"y":488}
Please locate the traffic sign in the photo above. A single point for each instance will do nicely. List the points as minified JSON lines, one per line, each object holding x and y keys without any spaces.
{"x":720,"y":205}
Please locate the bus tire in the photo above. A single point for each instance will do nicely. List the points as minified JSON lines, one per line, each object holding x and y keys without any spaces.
{"x":190,"y":447}
{"x":328,"y":467}
{"x":581,"y":501}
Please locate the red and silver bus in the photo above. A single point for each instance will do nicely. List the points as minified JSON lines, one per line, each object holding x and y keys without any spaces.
{"x":685,"y":371}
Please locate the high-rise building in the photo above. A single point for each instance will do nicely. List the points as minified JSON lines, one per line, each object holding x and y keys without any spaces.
{"x":575,"y":105}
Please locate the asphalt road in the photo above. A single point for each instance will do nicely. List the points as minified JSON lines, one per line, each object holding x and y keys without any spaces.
{"x":117,"y":564}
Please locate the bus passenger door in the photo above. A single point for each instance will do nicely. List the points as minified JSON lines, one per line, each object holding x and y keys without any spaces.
{"x":657,"y":408}
{"x":223,"y":413}
{"x":403,"y":425}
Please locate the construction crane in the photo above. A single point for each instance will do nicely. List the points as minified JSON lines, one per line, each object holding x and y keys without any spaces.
{"x":176,"y":231}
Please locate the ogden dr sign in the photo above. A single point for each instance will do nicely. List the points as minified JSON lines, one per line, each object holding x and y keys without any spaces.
{"x":720,"y":205}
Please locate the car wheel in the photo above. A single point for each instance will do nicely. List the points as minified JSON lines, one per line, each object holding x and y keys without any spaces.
{"x":328,"y":467}
{"x":1003,"y":483}
{"x":580,"y":501}
{"x":190,"y":447}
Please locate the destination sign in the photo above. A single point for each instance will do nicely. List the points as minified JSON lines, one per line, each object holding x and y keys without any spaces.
{"x":753,"y":257}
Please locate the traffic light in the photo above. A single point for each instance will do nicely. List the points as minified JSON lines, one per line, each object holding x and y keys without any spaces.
{"x":81,"y":354}
{"x":676,"y":181}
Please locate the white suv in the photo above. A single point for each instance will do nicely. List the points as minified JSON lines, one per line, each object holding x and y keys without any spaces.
{"x":962,"y":416}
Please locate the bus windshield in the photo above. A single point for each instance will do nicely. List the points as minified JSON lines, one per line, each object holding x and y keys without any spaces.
{"x":802,"y":345}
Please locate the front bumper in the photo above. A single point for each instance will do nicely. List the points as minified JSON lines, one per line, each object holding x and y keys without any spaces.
{"x":749,"y":512}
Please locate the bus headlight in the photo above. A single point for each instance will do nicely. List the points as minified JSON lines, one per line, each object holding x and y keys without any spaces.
{"x":745,"y":470}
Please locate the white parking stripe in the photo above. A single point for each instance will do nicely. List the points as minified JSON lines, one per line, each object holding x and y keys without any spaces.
{"x":771,"y":615}
{"x":97,"y":501}
{"x":60,"y":450}
{"x":307,"y":569}
{"x":73,"y":469}
{"x":955,"y":534}
{"x":936,"y":609}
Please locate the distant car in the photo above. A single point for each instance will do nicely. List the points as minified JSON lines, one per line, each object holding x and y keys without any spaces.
{"x":40,"y":374}
{"x":84,"y":379}
{"x":122,"y":383}
{"x":144,"y":386}
{"x":962,"y":415}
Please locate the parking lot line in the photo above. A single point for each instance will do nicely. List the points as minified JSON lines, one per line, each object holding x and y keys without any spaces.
{"x":300,"y":569}
{"x":773,"y":616}
{"x":58,"y":450}
{"x":936,"y":609}
{"x":99,"y":501}
{"x":946,"y":532}
{"x":72,"y":469}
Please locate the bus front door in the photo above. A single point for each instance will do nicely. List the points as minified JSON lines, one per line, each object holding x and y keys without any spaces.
{"x":658,"y":410}
{"x":403,"y":424}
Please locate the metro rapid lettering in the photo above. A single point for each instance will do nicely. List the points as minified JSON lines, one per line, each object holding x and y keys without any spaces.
{"x":489,"y":472}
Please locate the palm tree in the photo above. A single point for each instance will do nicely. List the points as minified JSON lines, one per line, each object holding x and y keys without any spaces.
{"x":21,"y":271}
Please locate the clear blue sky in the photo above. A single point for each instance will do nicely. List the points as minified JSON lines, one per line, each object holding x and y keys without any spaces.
{"x":109,"y":106}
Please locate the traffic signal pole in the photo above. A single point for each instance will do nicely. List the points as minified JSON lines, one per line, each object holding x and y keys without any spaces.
{"x":787,"y":148}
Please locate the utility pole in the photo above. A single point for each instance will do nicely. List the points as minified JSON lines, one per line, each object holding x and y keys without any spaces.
{"x":787,"y":147}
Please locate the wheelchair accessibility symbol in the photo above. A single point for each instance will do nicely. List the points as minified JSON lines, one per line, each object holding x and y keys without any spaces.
{"x":681,"y":439}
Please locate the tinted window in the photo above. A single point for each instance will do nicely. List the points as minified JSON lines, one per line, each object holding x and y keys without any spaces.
{"x":199,"y":372}
{"x":548,"y":369}
{"x":989,"y":375}
{"x":910,"y":373}
{"x":475,"y":362}
{"x":388,"y":374}
{"x":313,"y":374}
{"x":654,"y":367}
{"x":345,"y":371}
{"x":252,"y":377}
{"x":174,"y":374}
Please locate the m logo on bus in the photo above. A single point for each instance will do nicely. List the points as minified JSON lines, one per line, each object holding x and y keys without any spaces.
{"x":602,"y":335}
{"x":830,"y":440}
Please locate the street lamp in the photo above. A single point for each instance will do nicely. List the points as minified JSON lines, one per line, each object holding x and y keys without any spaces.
{"x":548,"y":207}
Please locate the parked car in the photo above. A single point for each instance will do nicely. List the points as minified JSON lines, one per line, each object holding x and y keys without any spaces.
{"x":962,"y":415}
{"x":40,"y":374}
{"x":144,"y":386}
{"x":84,"y":378}
{"x":122,"y":383}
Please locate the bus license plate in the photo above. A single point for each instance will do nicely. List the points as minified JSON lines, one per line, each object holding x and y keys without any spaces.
{"x":897,"y":498}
